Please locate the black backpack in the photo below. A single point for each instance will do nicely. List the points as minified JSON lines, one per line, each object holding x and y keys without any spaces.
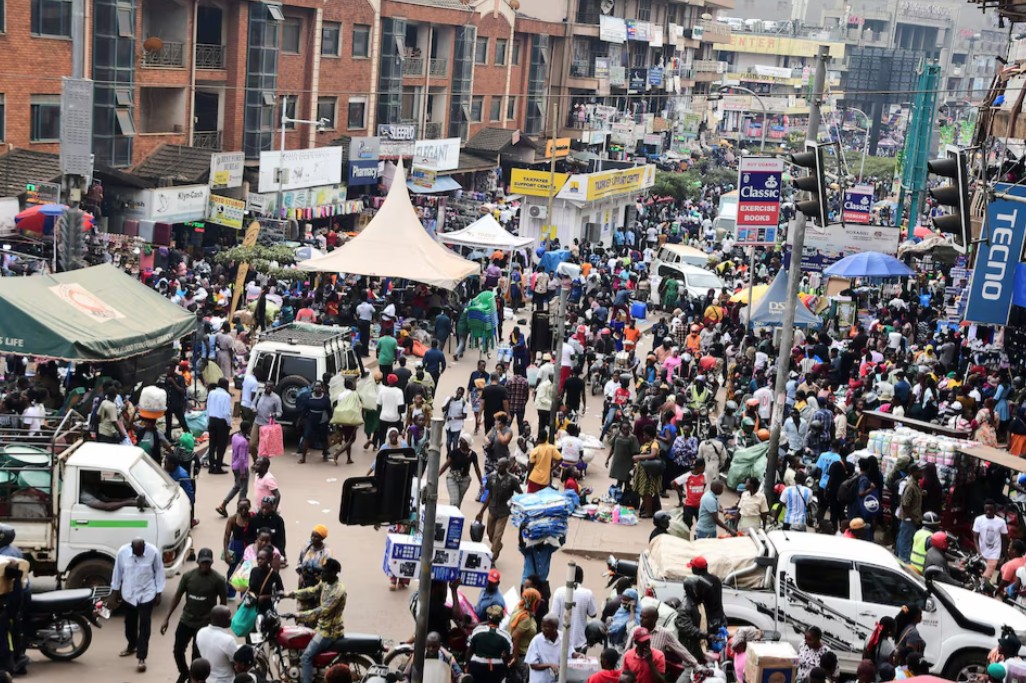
{"x":848,"y":490}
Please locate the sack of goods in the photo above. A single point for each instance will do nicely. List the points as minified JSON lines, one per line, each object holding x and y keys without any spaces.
{"x":542,"y":514}
{"x":152,"y":403}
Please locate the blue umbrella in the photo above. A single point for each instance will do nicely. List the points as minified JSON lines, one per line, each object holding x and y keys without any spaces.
{"x":868,"y":264}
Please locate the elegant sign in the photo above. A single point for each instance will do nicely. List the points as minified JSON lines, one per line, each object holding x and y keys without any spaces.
{"x":437,"y":155}
{"x":299,"y":168}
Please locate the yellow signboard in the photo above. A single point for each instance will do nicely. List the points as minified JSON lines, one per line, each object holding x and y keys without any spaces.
{"x":561,"y":145}
{"x":535,"y":183}
{"x":779,"y":45}
{"x":226,"y":211}
{"x":250,"y":240}
{"x":594,"y":186}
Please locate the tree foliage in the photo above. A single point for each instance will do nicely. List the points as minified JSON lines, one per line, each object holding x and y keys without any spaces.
{"x":275,"y":261}
{"x":689,"y":184}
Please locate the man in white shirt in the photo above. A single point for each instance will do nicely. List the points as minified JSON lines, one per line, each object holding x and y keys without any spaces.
{"x":584,"y":609}
{"x":219,"y":417}
{"x":543,"y":654}
{"x":138,"y":581}
{"x":216,"y":644}
{"x":991,"y":534}
{"x":764,"y":395}
{"x":392,"y":402}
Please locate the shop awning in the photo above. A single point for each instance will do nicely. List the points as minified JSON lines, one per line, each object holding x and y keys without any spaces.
{"x":485,"y":233}
{"x":93,"y":314}
{"x":443,"y":183}
{"x":768,"y":311}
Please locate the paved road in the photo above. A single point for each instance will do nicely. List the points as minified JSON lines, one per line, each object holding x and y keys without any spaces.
{"x":311,"y":495}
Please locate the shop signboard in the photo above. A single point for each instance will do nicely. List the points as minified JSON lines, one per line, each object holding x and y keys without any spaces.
{"x":858,"y":204}
{"x":656,"y":36}
{"x":560,"y":147}
{"x":826,"y":246}
{"x":327,"y":195}
{"x":437,"y":155}
{"x":638,"y":80}
{"x":535,"y":183}
{"x":226,"y":169}
{"x":617,"y":76}
{"x":362,"y":172}
{"x":397,"y":140}
{"x":423,"y":177}
{"x":168,"y":204}
{"x":655,"y":76}
{"x":639,"y":30}
{"x":594,"y":186}
{"x":225,"y":211}
{"x":758,"y":208}
{"x":993,"y":279}
{"x":364,"y":149}
{"x":612,"y":29}
{"x":602,"y":67}
{"x":298,"y":168}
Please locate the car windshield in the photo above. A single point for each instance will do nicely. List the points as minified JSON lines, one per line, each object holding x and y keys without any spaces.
{"x":704,"y":280}
{"x":160,"y":488}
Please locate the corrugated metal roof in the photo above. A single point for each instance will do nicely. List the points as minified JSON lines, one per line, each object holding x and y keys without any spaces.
{"x":490,"y":140}
{"x":178,"y":162}
{"x":22,"y":166}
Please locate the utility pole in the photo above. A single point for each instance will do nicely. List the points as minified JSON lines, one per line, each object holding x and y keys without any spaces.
{"x":567,"y":616}
{"x":427,"y":547}
{"x":794,"y":278}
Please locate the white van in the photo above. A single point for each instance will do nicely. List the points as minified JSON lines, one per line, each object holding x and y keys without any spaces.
{"x":725,"y":222}
{"x":680,"y":253}
{"x":695,"y":281}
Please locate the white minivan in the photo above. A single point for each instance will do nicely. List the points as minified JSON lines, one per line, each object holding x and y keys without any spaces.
{"x":695,"y":281}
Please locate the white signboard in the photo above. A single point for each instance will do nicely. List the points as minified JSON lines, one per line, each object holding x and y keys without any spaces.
{"x":169,"y":204}
{"x":774,"y":71}
{"x":396,"y":141}
{"x":850,"y":239}
{"x":300,"y":168}
{"x":612,"y":29}
{"x":437,"y":155}
{"x":77,"y":126}
{"x":226,"y":169}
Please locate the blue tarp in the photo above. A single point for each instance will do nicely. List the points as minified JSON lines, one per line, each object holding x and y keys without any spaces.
{"x":550,"y":260}
{"x":769,"y":310}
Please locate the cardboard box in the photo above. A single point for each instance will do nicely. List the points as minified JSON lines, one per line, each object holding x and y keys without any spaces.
{"x":771,"y":663}
{"x":473,"y":579}
{"x":580,"y":669}
{"x":7,"y":585}
{"x":402,"y":559}
{"x":448,"y":527}
{"x":475,"y":557}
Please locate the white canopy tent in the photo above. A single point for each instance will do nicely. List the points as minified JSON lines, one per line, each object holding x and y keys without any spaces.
{"x":485,"y":233}
{"x":395,"y":244}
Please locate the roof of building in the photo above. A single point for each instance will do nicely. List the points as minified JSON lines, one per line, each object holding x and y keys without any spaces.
{"x":490,"y":140}
{"x":476,"y":162}
{"x":178,"y":162}
{"x":22,"y":166}
{"x":444,"y":4}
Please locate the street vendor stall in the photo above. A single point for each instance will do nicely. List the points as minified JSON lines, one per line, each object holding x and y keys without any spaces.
{"x":875,"y":419}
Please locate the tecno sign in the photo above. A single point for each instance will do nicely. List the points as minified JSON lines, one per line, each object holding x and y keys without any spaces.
{"x":998,"y":258}
{"x":990,"y":291}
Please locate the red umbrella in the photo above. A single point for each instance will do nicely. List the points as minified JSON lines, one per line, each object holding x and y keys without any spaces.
{"x":42,"y":217}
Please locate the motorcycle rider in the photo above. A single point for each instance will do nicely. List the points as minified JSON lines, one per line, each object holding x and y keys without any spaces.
{"x":746,"y":436}
{"x":661,"y":522}
{"x":935,"y":557}
{"x":13,"y":608}
{"x":330,"y":593}
{"x":920,"y":541}
{"x":698,"y":395}
{"x":728,"y":422}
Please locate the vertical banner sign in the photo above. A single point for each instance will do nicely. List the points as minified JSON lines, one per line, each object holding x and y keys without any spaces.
{"x":250,"y":240}
{"x":858,"y":204}
{"x":993,"y":282}
{"x":758,"y":207}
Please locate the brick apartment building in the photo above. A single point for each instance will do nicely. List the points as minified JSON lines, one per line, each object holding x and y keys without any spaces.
{"x":213,"y":73}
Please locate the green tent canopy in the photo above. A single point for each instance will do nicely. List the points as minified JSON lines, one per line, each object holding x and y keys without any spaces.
{"x":91,"y":314}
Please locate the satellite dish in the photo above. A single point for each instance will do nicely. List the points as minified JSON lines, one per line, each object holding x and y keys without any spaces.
{"x":607,"y":6}
{"x":153,"y":44}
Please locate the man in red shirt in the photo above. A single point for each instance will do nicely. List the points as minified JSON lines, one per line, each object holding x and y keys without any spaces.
{"x":693,"y":485}
{"x":647,"y":665}
{"x":609,"y":659}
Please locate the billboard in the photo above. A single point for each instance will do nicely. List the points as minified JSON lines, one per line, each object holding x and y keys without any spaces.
{"x":226,"y":170}
{"x":858,"y":204}
{"x":300,"y":168}
{"x":226,"y":211}
{"x":993,"y":281}
{"x":826,"y":246}
{"x":437,"y":155}
{"x":758,"y":208}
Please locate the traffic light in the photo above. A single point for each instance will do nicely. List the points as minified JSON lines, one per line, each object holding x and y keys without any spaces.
{"x":813,"y":159}
{"x":954,"y":165}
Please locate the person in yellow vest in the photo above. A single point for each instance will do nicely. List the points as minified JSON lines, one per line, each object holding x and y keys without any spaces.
{"x":931,"y":524}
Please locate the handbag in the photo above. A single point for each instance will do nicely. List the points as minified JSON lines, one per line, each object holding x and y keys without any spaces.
{"x":654,"y":467}
{"x":272,"y":442}
{"x":245,"y":617}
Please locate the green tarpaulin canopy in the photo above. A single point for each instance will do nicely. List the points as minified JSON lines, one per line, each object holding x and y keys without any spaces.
{"x":92,"y":314}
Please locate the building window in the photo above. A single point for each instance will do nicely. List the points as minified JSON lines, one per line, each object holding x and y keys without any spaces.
{"x":511,"y":108}
{"x":290,"y":112}
{"x":476,"y":108}
{"x":331,"y":39}
{"x":125,"y":123}
{"x":361,"y":40}
{"x":3,"y":119}
{"x":644,"y":10}
{"x":496,"y":112}
{"x":290,"y":33}
{"x":125,"y":27}
{"x":46,"y":118}
{"x":326,"y":107}
{"x":500,"y":51}
{"x":481,"y":53}
{"x":516,"y":53}
{"x":357,"y":113}
{"x":3,"y":20}
{"x":51,"y":18}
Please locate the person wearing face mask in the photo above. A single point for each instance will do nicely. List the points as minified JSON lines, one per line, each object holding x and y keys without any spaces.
{"x":316,"y":416}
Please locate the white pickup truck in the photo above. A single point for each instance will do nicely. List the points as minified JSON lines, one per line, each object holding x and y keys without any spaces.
{"x":787,"y":581}
{"x":52,"y":494}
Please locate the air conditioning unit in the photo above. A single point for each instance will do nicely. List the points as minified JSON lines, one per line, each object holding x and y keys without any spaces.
{"x":537,"y":211}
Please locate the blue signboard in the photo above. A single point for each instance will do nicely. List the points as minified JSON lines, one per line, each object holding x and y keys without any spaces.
{"x":858,"y":204}
{"x":655,"y":76}
{"x":758,"y":208}
{"x":362,"y":172}
{"x":993,"y":282}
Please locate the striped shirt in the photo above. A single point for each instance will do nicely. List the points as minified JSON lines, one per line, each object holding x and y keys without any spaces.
{"x":796,"y":500}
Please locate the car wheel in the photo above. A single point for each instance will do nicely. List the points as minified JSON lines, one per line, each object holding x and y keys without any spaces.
{"x":288,"y":389}
{"x":967,"y":666}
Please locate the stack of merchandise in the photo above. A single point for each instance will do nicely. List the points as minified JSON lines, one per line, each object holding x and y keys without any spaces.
{"x":890,"y":444}
{"x":541,"y":515}
{"x":482,"y":321}
{"x":452,"y":557}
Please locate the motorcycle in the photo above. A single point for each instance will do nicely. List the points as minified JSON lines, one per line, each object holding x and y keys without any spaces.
{"x":617,"y":569}
{"x":60,"y":622}
{"x":599,"y":374}
{"x":280,"y":647}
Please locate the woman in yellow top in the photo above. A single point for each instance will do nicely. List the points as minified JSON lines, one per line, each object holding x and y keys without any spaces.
{"x":544,"y":457}
{"x":646,"y":483}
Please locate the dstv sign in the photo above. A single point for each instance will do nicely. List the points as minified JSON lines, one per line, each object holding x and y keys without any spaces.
{"x":858,"y":204}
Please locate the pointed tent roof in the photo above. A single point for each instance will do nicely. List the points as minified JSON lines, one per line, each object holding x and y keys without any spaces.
{"x":485,"y":233}
{"x":395,"y":244}
{"x":769,"y":310}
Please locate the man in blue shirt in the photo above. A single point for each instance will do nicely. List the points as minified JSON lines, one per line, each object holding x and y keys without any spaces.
{"x":491,"y":595}
{"x":709,"y":513}
{"x":443,"y":328}
{"x":138,"y":581}
{"x":902,"y":389}
{"x":434,"y":361}
{"x":825,"y":460}
{"x":179,"y":474}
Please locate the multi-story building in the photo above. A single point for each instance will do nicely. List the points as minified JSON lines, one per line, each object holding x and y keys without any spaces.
{"x":215,"y":73}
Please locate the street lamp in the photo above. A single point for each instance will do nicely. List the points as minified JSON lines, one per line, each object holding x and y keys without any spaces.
{"x":321,"y":123}
{"x":865,"y":146}
{"x":762,"y":105}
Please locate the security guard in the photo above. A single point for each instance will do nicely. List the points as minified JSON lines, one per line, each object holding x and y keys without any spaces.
{"x":931,"y":524}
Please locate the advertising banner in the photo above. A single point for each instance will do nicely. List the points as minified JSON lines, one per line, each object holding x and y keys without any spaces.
{"x":612,"y":29}
{"x":602,"y":67}
{"x":993,"y":280}
{"x":365,"y":149}
{"x":301,"y":168}
{"x":560,"y":147}
{"x":655,"y":76}
{"x":437,"y":155}
{"x":169,"y":204}
{"x":858,"y":204}
{"x":758,"y":208}
{"x":595,"y":186}
{"x":826,"y":246}
{"x":639,"y":30}
{"x":534,"y":183}
{"x":226,"y":169}
{"x":362,"y":172}
{"x":226,"y":211}
{"x":396,"y":141}
{"x":638,"y":80}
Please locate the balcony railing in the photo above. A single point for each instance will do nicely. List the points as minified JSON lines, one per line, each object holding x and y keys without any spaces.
{"x":170,"y":56}
{"x":413,"y":66}
{"x":209,"y":56}
{"x":710,"y":66}
{"x":715,"y":31}
{"x":207,"y":139}
{"x":438,"y":67}
{"x":582,"y":68}
{"x":587,"y":17}
{"x":433,"y":130}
